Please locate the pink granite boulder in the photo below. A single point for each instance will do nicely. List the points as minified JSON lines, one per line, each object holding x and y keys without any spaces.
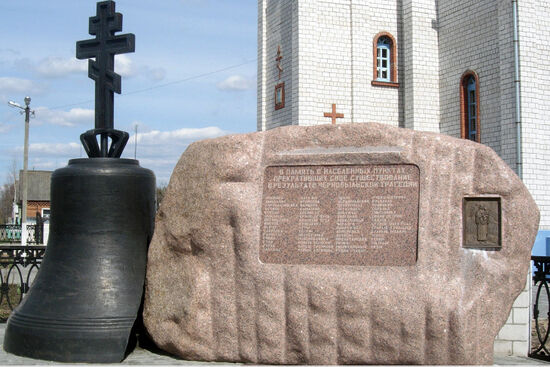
{"x":338,"y":244}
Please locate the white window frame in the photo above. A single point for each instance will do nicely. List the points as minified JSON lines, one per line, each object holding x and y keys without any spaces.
{"x":383,"y":46}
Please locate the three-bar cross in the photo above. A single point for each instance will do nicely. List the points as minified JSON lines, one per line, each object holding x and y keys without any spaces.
{"x":104,"y":48}
{"x":278,"y":59}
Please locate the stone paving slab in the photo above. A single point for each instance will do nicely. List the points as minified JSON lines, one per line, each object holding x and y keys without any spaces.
{"x":142,"y":356}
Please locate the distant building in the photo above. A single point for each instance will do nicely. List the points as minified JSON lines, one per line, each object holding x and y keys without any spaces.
{"x":38,"y":195}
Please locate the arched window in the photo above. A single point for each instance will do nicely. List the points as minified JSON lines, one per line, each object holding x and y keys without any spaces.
{"x":469,"y":106}
{"x":384,"y":60}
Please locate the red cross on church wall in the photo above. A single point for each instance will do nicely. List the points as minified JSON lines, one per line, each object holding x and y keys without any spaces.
{"x":333,"y":115}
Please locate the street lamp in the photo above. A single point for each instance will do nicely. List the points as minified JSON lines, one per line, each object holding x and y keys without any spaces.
{"x":27,"y":111}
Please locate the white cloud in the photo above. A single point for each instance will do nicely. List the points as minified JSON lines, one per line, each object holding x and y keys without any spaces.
{"x":10,"y":85}
{"x":156,"y":150}
{"x":125,"y":66}
{"x":156,"y":137}
{"x":75,"y":116}
{"x":9,"y":52}
{"x":155,"y":74}
{"x":161,"y":150}
{"x":4,"y":128}
{"x":54,"y":67}
{"x":50,"y":156}
{"x":55,"y":150}
{"x":58,"y":67}
{"x":7,"y":55}
{"x":236,"y":83}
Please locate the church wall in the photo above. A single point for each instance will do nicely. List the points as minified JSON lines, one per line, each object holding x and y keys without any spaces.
{"x":278,"y":22}
{"x":507,"y":138}
{"x":477,"y":35}
{"x":324,"y":60}
{"x":534,"y":40}
{"x":483,"y":42}
{"x":332,"y":61}
{"x":421,"y":69}
{"x":375,"y":103}
{"x":336,"y":61}
{"x":261,"y":88}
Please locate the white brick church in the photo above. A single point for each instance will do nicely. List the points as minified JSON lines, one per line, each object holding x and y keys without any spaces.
{"x":474,"y":69}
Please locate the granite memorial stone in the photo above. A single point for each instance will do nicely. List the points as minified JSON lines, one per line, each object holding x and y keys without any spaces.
{"x":338,"y":244}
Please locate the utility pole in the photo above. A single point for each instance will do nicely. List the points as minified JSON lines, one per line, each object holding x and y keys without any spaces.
{"x":27,"y":111}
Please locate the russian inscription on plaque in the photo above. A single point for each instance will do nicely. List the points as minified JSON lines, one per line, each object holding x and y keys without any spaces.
{"x":340,"y":215}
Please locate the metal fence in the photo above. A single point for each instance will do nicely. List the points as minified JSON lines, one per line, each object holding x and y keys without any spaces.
{"x":11,"y":233}
{"x":18,"y":268}
{"x":540,"y":330}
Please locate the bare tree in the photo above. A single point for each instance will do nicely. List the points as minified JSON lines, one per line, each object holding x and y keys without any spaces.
{"x":6,"y":202}
{"x":161,"y":190}
{"x":7,"y":194}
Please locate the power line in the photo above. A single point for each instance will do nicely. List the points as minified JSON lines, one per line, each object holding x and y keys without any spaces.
{"x":71,"y":105}
{"x":163,"y":85}
{"x":190,"y":78}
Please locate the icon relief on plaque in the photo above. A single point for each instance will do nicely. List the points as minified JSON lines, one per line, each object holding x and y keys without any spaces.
{"x":482,"y":222}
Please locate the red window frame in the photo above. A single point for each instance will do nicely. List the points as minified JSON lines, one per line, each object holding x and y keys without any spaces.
{"x":393,"y":61}
{"x":464,"y":121}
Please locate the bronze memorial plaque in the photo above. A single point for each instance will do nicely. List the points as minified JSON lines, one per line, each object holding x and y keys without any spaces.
{"x":340,"y":215}
{"x":481,"y":217}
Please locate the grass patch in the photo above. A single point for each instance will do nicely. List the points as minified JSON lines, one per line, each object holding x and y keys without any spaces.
{"x":14,"y":292}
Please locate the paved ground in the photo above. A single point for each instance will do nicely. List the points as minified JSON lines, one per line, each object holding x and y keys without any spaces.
{"x":142,"y":356}
{"x":139,"y":356}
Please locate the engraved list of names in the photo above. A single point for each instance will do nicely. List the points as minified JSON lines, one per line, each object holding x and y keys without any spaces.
{"x":340,"y":215}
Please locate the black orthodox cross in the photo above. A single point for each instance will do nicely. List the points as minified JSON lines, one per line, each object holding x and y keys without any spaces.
{"x":104,"y":48}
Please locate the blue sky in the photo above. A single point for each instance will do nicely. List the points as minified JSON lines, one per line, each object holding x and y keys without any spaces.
{"x":192,"y":77}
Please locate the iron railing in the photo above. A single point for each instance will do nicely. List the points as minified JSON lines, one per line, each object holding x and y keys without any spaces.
{"x":35,"y":234}
{"x":11,"y":233}
{"x":541,"y":276}
{"x":18,"y":268}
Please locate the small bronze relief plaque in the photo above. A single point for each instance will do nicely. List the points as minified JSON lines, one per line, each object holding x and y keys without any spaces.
{"x":482,"y":223}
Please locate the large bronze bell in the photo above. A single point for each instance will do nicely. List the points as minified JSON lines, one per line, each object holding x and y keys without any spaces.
{"x":87,"y":294}
{"x":85,"y":298}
